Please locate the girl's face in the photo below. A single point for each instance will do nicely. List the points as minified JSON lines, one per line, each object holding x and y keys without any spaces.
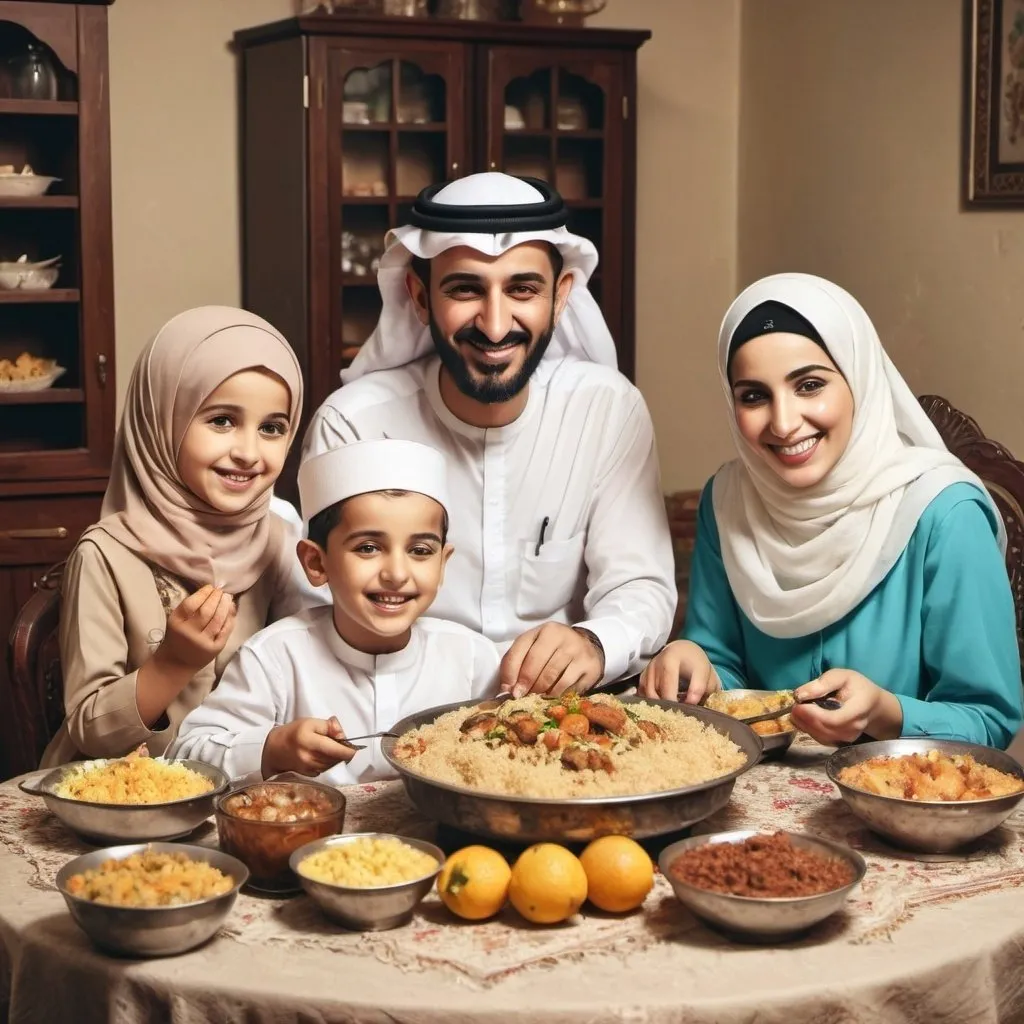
{"x":236,"y":444}
{"x":792,"y":405}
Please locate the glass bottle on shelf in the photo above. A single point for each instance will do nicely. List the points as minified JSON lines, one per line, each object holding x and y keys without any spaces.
{"x":32,"y":74}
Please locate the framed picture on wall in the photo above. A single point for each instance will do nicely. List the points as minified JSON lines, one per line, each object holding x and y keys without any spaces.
{"x":994,"y":103}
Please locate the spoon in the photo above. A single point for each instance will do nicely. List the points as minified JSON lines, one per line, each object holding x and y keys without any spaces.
{"x":826,"y":703}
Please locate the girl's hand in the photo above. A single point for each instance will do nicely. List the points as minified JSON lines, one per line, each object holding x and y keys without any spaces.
{"x":307,"y":746}
{"x":867,"y":708}
{"x":198,"y":629}
{"x":680,"y":660}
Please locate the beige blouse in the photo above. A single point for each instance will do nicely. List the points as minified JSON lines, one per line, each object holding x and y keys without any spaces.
{"x":113,"y":615}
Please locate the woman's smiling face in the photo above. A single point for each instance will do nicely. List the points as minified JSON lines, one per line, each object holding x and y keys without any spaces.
{"x":793,"y":407}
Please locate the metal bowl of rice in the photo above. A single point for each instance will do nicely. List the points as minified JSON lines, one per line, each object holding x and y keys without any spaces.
{"x":113,"y":823}
{"x":527,"y":818}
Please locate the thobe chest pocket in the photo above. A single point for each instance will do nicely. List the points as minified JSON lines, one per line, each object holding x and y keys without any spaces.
{"x":548,"y":580}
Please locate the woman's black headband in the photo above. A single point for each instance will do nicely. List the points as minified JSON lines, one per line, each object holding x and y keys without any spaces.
{"x":772,"y":318}
{"x":495,"y":219}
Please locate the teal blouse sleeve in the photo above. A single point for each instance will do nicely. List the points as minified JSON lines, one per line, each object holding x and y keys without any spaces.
{"x":712,"y":617}
{"x":969,"y":638}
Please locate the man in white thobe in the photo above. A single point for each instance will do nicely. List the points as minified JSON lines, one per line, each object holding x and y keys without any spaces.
{"x":491,"y":349}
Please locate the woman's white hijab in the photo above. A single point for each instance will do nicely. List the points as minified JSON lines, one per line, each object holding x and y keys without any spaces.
{"x":798,"y":560}
{"x":400,"y":338}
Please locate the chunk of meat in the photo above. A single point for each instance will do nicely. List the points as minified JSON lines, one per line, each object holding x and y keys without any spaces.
{"x":650,"y":729}
{"x":604,"y":716}
{"x":523,"y":725}
{"x":598,"y":760}
{"x":555,"y":738}
{"x":575,"y":758}
{"x":558,"y":712}
{"x":479,"y":725}
{"x":576,"y":725}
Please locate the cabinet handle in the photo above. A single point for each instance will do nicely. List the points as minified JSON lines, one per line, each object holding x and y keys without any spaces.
{"x":101,"y":369}
{"x":41,"y":533}
{"x":455,"y":167}
{"x":494,"y":165}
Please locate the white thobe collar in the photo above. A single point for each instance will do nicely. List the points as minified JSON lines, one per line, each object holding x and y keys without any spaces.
{"x":432,"y":389}
{"x":373,"y":664}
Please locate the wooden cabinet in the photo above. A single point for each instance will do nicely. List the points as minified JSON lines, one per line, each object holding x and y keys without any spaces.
{"x":55,"y":443}
{"x":345,"y":119}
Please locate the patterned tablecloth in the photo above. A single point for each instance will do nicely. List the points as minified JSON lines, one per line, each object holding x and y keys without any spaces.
{"x":487,"y":957}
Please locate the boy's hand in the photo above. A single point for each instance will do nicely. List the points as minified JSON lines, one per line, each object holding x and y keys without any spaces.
{"x":197,"y":630}
{"x":680,"y":660}
{"x":551,"y":659}
{"x":307,"y":746}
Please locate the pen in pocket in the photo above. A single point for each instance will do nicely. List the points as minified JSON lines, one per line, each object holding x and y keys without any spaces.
{"x":543,"y":530}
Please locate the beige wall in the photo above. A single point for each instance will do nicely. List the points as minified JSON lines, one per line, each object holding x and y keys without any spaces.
{"x":175,"y":166}
{"x":175,"y":161}
{"x":686,"y":220}
{"x":849,"y":168}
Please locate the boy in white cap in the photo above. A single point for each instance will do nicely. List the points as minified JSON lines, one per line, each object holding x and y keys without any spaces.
{"x":378,"y":525}
{"x":491,"y":348}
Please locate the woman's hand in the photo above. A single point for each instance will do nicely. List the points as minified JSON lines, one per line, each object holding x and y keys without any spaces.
{"x":307,"y":746}
{"x":197,"y":630}
{"x":867,"y":708}
{"x":680,"y":660}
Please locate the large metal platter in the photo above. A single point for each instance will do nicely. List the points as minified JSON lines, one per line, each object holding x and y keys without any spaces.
{"x":524,"y":819}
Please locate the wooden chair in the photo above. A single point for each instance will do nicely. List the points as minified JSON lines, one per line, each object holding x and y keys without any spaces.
{"x":36,"y":709}
{"x":1001,"y":473}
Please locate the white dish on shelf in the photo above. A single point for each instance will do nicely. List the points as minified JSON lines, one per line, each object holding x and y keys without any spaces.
{"x":14,"y":387}
{"x":25,"y":184}
{"x":36,"y":276}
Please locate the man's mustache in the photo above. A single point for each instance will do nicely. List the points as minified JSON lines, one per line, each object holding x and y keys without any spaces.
{"x":476,"y":337}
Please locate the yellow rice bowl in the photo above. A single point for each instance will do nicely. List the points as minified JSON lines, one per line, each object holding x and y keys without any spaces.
{"x":688,"y":754}
{"x":368,"y":863}
{"x":132,"y":780}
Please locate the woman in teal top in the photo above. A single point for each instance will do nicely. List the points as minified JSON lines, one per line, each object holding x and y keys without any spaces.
{"x":846,"y":549}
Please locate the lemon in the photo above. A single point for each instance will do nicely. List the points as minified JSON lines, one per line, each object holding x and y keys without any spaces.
{"x":474,"y":882}
{"x":619,"y":873}
{"x":548,"y":884}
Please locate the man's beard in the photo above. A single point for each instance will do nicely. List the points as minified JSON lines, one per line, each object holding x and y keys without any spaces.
{"x":489,"y":389}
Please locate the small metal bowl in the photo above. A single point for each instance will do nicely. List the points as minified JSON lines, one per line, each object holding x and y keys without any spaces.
{"x":366,"y":909}
{"x":928,"y":826}
{"x":775,"y":744}
{"x":151,"y":931}
{"x":106,"y":824}
{"x":762,"y":918}
{"x":265,"y":847}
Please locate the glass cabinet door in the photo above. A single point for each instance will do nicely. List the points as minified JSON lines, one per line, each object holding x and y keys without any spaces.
{"x":558,"y":116}
{"x":397,"y":125}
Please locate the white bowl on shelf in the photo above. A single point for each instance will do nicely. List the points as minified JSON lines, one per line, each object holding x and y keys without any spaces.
{"x":30,"y":276}
{"x":25,"y":184}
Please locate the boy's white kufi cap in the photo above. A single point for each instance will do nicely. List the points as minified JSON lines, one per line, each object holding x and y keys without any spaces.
{"x":365,"y":466}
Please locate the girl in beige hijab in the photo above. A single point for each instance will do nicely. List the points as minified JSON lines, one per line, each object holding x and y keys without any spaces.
{"x":188,"y":560}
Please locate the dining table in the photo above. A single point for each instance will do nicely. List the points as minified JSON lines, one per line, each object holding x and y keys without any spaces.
{"x":925,"y":938}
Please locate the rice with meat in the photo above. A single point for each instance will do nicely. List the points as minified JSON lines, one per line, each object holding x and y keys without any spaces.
{"x":650,"y":750}
{"x":132,"y":780}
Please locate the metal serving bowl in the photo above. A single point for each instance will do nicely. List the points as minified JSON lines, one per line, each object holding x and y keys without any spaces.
{"x":366,"y":909}
{"x":104,"y":824}
{"x":528,"y":820}
{"x":762,"y":918}
{"x":265,"y":847}
{"x":151,"y":931}
{"x":929,"y":826}
{"x":775,"y":744}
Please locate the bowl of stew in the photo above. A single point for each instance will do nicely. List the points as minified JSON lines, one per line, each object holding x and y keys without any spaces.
{"x":264,"y":823}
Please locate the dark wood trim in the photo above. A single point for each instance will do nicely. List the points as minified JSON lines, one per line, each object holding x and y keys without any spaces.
{"x":39,"y":202}
{"x":49,"y":396}
{"x":419,"y":29}
{"x":66,"y":108}
{"x":628,"y":160}
{"x":23,"y":296}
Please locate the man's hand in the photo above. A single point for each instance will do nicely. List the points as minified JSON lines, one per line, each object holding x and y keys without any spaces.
{"x":307,"y":746}
{"x":551,"y":659}
{"x":680,"y":661}
{"x":867,"y":708}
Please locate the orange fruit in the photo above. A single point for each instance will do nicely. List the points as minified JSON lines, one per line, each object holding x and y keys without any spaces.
{"x":619,"y":873}
{"x":474,"y":882}
{"x":548,"y":884}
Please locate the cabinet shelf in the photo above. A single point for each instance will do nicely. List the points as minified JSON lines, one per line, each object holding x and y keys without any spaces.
{"x":39,"y":202}
{"x":49,"y":396}
{"x":28,"y":296}
{"x":560,"y":133}
{"x":359,"y":280}
{"x":388,"y":126}
{"x":67,"y":108}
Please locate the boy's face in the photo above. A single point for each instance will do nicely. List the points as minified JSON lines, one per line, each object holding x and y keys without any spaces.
{"x":384,"y":563}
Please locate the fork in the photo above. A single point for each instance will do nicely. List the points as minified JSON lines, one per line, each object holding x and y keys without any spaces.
{"x":826,"y":703}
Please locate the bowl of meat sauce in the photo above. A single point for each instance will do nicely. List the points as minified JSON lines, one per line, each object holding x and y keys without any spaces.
{"x":264,"y":823}
{"x":761,"y":886}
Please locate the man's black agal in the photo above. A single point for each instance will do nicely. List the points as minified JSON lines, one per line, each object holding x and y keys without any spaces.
{"x":493,"y":219}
